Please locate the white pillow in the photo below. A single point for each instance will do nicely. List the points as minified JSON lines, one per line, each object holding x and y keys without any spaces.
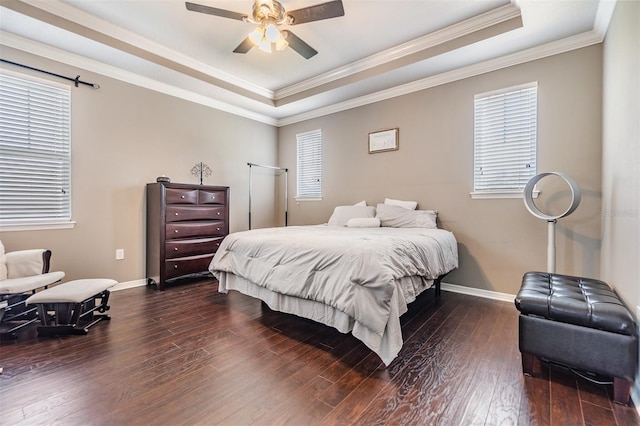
{"x":361,"y":203}
{"x":363,"y":222}
{"x":3,"y":263}
{"x":342,"y":214}
{"x":411,"y":205}
{"x":400,"y":217}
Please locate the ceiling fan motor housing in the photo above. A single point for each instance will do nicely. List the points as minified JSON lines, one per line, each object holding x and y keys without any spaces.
{"x":270,"y":11}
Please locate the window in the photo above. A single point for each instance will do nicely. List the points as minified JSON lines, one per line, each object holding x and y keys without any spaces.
{"x":505,"y":126}
{"x":35,"y":151}
{"x":309,"y":165}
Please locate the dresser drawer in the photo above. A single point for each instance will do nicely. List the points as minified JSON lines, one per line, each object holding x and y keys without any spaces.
{"x":211,"y":197}
{"x":192,"y":247}
{"x":182,"y":196}
{"x":187,"y":265}
{"x":179,"y":230}
{"x":181,"y":213}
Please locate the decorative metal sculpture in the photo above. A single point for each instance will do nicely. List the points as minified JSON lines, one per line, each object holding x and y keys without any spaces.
{"x":200,"y":170}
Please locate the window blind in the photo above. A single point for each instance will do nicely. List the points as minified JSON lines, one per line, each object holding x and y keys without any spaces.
{"x":505,"y":137}
{"x":309,"y":164}
{"x":35,"y":151}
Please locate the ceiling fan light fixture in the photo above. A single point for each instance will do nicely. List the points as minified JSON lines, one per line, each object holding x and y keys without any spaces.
{"x":281,"y":43}
{"x":265,"y":46}
{"x":272,"y":33}
{"x":256,"y":36}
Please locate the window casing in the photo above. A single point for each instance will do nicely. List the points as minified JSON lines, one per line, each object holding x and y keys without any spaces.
{"x":505,"y":141}
{"x":309,"y":153}
{"x":35,"y":152}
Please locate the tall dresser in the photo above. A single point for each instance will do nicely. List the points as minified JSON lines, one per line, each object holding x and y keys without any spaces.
{"x":185,"y":226}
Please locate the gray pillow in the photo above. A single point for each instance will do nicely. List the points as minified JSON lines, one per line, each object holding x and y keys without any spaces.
{"x":342,"y":214}
{"x":400,"y":217}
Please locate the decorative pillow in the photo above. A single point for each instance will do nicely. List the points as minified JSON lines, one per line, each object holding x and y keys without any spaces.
{"x":363,"y":222}
{"x":342,"y":214}
{"x":361,"y":203}
{"x":411,"y":205}
{"x":3,"y":263}
{"x":400,"y":217}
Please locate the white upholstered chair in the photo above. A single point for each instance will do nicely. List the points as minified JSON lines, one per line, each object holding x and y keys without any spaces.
{"x":22,"y":273}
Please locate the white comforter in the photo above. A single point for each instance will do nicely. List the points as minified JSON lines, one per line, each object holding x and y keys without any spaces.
{"x":354,"y":270}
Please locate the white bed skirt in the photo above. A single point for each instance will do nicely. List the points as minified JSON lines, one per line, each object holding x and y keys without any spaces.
{"x":386,"y":346}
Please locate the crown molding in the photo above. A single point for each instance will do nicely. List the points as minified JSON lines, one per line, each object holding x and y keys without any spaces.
{"x":603,"y":16}
{"x":539,"y":52}
{"x":452,"y":32}
{"x":561,"y":46}
{"x":86,"y":20}
{"x":58,"y":55}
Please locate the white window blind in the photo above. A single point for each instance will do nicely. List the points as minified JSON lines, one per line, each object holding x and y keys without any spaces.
{"x":505,"y":137}
{"x":309,"y":164}
{"x":35,"y":151}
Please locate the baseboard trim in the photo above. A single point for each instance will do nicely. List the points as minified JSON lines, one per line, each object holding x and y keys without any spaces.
{"x":129,"y":284}
{"x":487,"y":294}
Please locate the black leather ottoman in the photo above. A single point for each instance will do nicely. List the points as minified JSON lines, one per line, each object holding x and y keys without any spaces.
{"x":578,"y":322}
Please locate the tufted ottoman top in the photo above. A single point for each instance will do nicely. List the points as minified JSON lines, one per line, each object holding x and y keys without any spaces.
{"x":574,"y":300}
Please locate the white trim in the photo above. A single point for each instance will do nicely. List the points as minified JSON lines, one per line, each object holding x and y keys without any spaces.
{"x":55,"y":54}
{"x":478,"y":292}
{"x":485,"y":20}
{"x":554,"y":48}
{"x":87,"y":20}
{"x":603,"y":16}
{"x":129,"y":284}
{"x":500,"y":194}
{"x":496,"y":194}
{"x":578,"y":41}
{"x":37,"y":226}
{"x":298,"y":199}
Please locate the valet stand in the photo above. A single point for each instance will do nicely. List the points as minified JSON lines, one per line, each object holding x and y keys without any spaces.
{"x":551,"y":219}
{"x":286,"y":195}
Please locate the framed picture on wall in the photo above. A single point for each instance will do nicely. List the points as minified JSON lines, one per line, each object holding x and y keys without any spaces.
{"x":383,"y":140}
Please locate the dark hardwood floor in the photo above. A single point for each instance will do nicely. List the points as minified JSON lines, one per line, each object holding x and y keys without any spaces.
{"x":192,"y":356}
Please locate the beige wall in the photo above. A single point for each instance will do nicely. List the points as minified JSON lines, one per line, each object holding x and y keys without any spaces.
{"x":498,"y":239}
{"x":123,"y":137}
{"x":621,"y":154}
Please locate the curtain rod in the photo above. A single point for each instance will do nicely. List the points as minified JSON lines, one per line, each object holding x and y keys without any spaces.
{"x":76,"y":80}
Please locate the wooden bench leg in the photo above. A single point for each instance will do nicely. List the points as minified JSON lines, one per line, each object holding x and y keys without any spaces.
{"x":530,"y":364}
{"x":621,"y":390}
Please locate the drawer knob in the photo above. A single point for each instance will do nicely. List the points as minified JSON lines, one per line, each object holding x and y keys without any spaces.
{"x":175,"y":249}
{"x":182,"y":196}
{"x":175,"y":266}
{"x":218,"y":213}
{"x":218,"y":229}
{"x":176,"y":231}
{"x":176,"y":214}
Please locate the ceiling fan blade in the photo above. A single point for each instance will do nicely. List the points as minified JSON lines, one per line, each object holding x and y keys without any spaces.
{"x":215,"y":11}
{"x":328,"y":10}
{"x":244,"y":47}
{"x":298,"y":45}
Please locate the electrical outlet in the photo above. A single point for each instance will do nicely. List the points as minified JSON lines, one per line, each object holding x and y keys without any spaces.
{"x":119,"y":254}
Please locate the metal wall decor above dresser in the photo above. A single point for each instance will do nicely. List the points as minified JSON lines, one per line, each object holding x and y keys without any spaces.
{"x":185,"y":226}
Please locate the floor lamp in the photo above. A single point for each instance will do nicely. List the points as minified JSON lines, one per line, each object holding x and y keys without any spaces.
{"x":551,"y":219}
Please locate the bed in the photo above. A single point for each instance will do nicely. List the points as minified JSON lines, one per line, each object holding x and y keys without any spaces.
{"x":348,"y":274}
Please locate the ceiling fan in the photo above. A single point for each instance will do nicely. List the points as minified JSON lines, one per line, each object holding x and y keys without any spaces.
{"x":270,"y":15}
